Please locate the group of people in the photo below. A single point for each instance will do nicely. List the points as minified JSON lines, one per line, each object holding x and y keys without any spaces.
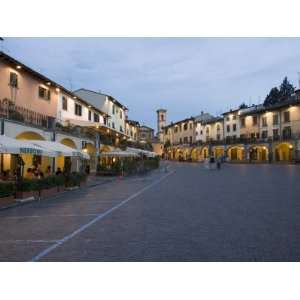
{"x":211,"y":162}
{"x":37,"y":173}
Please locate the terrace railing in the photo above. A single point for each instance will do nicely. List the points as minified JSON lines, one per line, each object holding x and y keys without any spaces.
{"x":232,"y":141}
{"x":17,"y":113}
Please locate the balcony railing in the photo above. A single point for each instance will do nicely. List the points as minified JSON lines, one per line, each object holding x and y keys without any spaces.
{"x":77,"y":131}
{"x":17,"y":113}
{"x":232,"y":141}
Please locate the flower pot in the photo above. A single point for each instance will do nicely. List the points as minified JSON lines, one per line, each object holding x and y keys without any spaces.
{"x":4,"y":201}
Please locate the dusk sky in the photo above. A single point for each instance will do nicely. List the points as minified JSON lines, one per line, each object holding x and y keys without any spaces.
{"x":183,"y":75}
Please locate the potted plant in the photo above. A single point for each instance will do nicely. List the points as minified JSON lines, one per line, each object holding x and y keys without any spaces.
{"x":47,"y":186}
{"x":27,"y":188}
{"x":60,"y":183}
{"x":7,"y":192}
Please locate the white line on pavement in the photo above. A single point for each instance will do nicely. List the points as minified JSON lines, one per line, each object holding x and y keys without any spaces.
{"x":96,"y":219}
{"x":27,"y":241}
{"x":44,"y":216}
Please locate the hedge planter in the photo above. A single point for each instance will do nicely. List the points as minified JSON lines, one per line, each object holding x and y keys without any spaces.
{"x":60,"y":188}
{"x":27,"y":194}
{"x":83,"y":184}
{"x":5,"y":201}
{"x":49,"y":192}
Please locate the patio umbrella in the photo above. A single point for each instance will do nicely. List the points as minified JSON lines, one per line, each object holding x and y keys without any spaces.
{"x":119,"y":153}
{"x":10,"y":145}
{"x":59,"y":149}
{"x":142,"y":152}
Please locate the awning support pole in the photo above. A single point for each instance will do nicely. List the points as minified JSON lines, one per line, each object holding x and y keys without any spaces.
{"x":53,"y":159}
{"x":98,"y":144}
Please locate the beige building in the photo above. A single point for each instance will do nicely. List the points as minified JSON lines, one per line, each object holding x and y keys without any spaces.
{"x":181,"y":132}
{"x":34,"y":107}
{"x":178,"y":138}
{"x":30,"y":107}
{"x":231,"y":125}
{"x":210,"y":130}
{"x":146,"y":134}
{"x":254,"y":134}
{"x":116,"y":111}
{"x":132,"y":130}
{"x":161,"y":123}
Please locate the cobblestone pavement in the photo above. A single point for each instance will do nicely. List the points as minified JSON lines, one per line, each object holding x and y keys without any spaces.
{"x":240,"y":213}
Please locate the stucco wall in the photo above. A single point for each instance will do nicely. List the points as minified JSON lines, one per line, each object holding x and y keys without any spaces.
{"x":27,"y":92}
{"x":230,"y":122}
{"x":63,"y":115}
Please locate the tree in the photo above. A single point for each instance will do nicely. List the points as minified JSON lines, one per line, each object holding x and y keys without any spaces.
{"x":167,"y":143}
{"x":273,"y":97}
{"x":286,"y":89}
{"x":243,"y":105}
{"x":276,"y":95}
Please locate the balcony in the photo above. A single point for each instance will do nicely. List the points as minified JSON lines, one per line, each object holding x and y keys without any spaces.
{"x":20,"y":114}
{"x":78,"y":131}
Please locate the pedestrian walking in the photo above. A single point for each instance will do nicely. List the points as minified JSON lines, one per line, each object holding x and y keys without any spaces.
{"x":219,"y":164}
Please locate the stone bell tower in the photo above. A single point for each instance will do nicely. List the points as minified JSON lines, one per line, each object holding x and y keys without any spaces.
{"x":161,"y":123}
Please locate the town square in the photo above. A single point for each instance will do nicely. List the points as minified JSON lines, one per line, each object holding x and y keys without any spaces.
{"x":241,"y":213}
{"x":149,"y":150}
{"x":81,"y":180}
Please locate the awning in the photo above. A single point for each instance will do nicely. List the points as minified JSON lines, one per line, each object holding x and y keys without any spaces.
{"x":84,"y":123}
{"x":142,"y":152}
{"x":59,"y":149}
{"x":13,"y":146}
{"x":119,"y":154}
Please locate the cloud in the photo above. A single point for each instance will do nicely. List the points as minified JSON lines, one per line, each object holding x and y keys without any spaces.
{"x":183,"y":75}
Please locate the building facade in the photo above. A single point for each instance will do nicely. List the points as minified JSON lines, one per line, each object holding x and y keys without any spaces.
{"x":146,"y":134}
{"x":132,"y":130}
{"x":34,"y":107}
{"x":254,"y":134}
{"x":116,"y":111}
{"x":30,"y":109}
{"x":161,"y":123}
